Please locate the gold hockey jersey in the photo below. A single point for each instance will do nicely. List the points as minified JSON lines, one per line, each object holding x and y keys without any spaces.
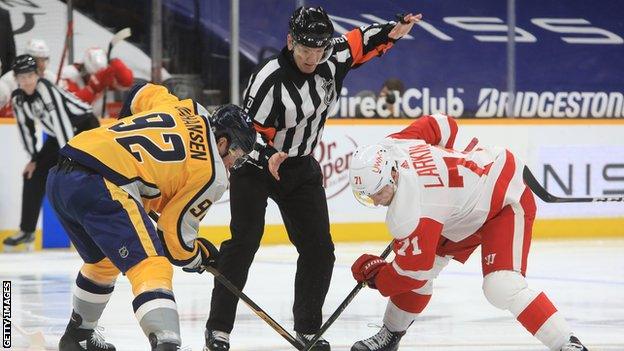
{"x":165,"y":156}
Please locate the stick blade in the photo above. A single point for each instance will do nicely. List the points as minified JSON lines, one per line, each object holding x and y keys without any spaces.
{"x":121,"y":35}
{"x":34,"y":339}
{"x":535,"y":186}
{"x":37,"y":340}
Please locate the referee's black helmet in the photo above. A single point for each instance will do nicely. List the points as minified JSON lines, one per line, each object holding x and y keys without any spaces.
{"x":24,"y":64}
{"x":311,"y":26}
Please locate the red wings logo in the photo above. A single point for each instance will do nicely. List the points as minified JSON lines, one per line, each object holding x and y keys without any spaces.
{"x":377,"y":165}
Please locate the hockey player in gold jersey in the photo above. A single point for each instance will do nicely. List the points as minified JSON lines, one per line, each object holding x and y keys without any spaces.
{"x":166,"y":156}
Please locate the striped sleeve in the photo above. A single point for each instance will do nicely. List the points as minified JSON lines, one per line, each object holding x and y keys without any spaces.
{"x":54,"y":105}
{"x":258,"y":98}
{"x":367,"y":42}
{"x":437,"y":129}
{"x":71,"y":99}
{"x":26,"y":127}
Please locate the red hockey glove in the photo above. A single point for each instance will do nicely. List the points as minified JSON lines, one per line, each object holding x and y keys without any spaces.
{"x":123,"y":74}
{"x":102,"y":79}
{"x":366,"y":267}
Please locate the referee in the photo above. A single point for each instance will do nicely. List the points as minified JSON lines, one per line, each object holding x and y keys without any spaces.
{"x":61,"y":115}
{"x":289,"y":97}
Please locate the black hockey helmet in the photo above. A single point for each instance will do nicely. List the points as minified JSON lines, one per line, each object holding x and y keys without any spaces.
{"x":24,"y":64}
{"x":311,"y":26}
{"x":231,"y":122}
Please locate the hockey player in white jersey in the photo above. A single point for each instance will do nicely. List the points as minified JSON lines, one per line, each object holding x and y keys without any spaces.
{"x":443,"y":204}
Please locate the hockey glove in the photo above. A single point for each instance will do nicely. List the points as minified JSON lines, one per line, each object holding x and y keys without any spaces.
{"x":264,"y":154}
{"x":123,"y":74}
{"x":401,"y":18}
{"x":366,"y":267}
{"x":209,"y":256}
{"x":101,"y":79}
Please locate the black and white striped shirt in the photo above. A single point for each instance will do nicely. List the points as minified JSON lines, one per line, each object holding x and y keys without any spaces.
{"x":289,"y":108}
{"x":58,"y":111}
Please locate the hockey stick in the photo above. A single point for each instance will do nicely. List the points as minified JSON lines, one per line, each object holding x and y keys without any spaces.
{"x":35,"y":339}
{"x":254,"y":307}
{"x":68,"y":35}
{"x":119,"y":36}
{"x":342,"y":306}
{"x":249,"y":302}
{"x":543,"y":194}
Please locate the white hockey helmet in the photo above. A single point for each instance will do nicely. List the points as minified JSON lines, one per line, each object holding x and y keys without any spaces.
{"x":94,"y":59}
{"x":370,"y":170}
{"x":37,"y":48}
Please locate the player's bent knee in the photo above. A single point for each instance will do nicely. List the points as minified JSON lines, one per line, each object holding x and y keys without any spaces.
{"x":103,"y":272}
{"x":502,"y":287}
{"x":153,"y":273}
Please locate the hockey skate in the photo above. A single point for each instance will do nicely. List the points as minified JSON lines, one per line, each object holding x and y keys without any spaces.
{"x":165,"y":346}
{"x":20,"y":240}
{"x":385,"y":340}
{"x":574,"y":345}
{"x":217,"y":340}
{"x":77,"y":339}
{"x":320,"y":345}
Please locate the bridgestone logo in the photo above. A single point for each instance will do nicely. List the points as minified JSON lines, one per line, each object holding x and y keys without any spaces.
{"x":493,"y":103}
{"x":490,"y":102}
{"x":6,"y":314}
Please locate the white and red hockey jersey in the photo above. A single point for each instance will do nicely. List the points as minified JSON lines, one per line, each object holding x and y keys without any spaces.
{"x":90,"y":88}
{"x":441,"y":192}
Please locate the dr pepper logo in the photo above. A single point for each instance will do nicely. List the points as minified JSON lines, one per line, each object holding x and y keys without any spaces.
{"x":334,"y":156}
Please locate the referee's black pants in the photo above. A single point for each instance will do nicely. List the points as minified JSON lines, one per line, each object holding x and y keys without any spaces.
{"x":34,"y":188}
{"x":301,"y":199}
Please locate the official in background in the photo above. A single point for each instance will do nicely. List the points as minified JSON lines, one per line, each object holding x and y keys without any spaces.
{"x":38,"y":49}
{"x":61,"y":115}
{"x":7,"y":42}
{"x":289,"y":97}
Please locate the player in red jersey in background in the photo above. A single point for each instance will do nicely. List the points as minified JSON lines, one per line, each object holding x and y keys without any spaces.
{"x":443,"y":204}
{"x":89,"y":79}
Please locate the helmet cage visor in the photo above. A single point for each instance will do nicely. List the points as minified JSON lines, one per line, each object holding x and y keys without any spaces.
{"x":235,"y":150}
{"x":364,"y":199}
{"x":237,"y":143}
{"x":239,"y":156}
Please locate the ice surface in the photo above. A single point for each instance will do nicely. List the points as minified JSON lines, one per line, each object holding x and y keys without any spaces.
{"x":585,"y":280}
